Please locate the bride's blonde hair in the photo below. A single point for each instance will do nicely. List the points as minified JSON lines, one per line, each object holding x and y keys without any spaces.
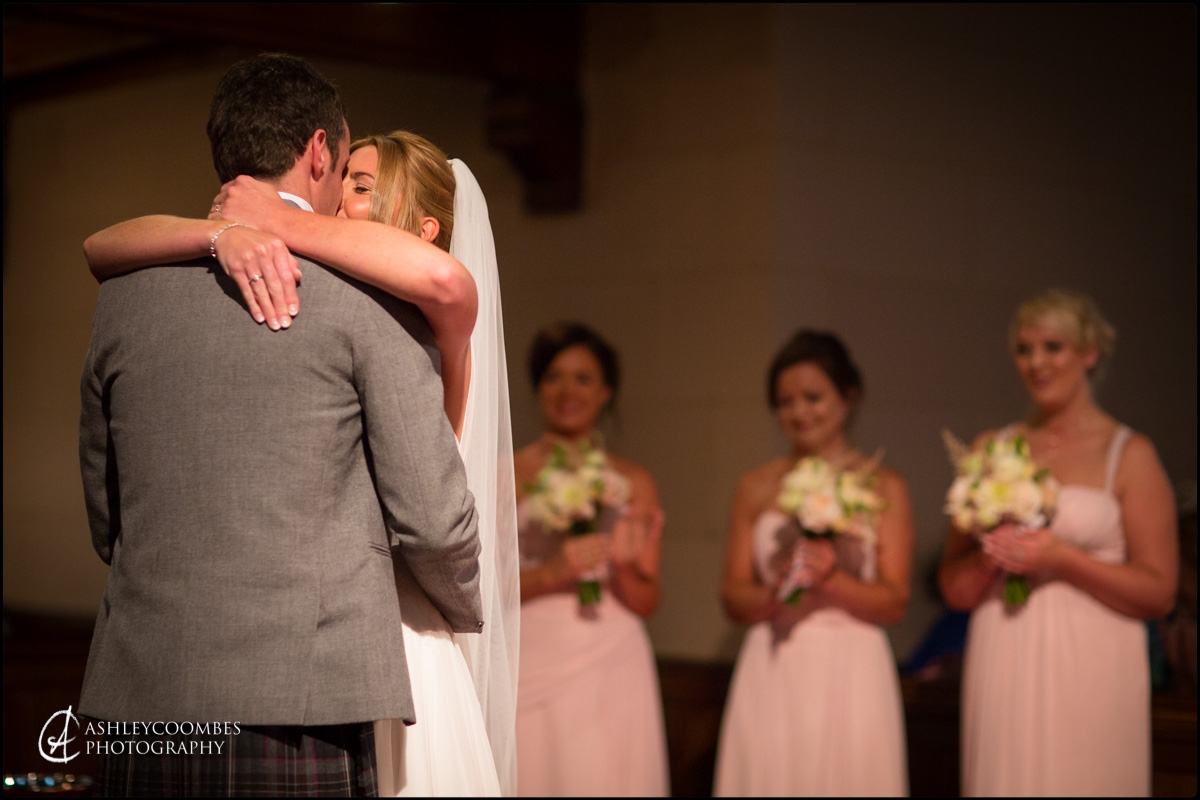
{"x":414,"y":180}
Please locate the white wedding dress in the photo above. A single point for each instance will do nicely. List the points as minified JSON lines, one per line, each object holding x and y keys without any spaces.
{"x":464,"y":686}
{"x":447,"y":752}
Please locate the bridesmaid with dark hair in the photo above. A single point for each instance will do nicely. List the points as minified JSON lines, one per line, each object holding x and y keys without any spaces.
{"x":814,"y":705}
{"x":589,"y":711}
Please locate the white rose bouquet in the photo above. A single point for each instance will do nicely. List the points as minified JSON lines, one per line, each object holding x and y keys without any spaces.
{"x":828,"y":501}
{"x":569,"y":498}
{"x":995,"y":484}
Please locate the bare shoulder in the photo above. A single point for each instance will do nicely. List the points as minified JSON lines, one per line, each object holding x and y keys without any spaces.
{"x":631,"y":469}
{"x":1139,"y":456}
{"x":526,"y":463}
{"x":758,"y":488}
{"x":890,"y":480}
{"x":640,"y":478}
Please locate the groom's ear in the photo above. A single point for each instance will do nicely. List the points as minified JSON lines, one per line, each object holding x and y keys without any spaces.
{"x":317,"y":154}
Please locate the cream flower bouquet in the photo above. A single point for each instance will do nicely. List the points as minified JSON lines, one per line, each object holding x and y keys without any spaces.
{"x":998,"y":483}
{"x":570,"y":498}
{"x":828,"y":501}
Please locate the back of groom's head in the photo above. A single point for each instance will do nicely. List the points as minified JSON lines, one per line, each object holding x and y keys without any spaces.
{"x":265,"y":111}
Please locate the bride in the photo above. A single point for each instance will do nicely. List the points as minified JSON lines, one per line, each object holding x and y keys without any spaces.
{"x":404,"y":206}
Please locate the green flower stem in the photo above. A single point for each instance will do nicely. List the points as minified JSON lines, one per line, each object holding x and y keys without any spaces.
{"x":1016,"y":590}
{"x":793,"y":599}
{"x":589,"y":592}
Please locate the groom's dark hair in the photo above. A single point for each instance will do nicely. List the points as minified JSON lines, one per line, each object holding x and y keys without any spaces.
{"x":265,"y":110}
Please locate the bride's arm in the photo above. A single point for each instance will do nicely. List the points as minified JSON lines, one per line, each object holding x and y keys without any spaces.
{"x":396,"y":261}
{"x":241,"y":251}
{"x":391,"y":259}
{"x":403,"y":265}
{"x":145,"y":241}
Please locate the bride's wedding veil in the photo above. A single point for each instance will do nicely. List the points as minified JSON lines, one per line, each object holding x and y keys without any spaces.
{"x":487,"y":453}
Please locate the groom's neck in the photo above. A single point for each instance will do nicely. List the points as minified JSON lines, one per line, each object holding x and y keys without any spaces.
{"x":299,"y":181}
{"x":296,"y":185}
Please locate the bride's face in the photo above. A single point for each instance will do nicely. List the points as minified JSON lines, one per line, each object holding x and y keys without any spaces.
{"x":359,"y":183}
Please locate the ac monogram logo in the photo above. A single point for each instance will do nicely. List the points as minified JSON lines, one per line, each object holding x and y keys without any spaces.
{"x":60,"y":743}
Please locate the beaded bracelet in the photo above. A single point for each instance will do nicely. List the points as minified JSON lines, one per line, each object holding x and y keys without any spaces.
{"x":212,"y":243}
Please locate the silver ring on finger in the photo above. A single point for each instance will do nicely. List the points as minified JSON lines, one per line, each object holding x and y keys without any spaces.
{"x":255,"y":277}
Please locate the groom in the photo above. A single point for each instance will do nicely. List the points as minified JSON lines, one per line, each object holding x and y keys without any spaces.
{"x":250,"y":490}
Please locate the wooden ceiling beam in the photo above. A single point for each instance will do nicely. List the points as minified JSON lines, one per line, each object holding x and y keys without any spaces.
{"x":529,"y":53}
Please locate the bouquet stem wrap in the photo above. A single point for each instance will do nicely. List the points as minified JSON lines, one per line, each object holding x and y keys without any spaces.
{"x":588,"y":586}
{"x":797,"y":594}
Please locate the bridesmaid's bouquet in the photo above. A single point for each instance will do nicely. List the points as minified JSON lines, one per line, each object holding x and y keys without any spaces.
{"x":828,"y":501}
{"x":999,"y":483}
{"x":570,"y":498}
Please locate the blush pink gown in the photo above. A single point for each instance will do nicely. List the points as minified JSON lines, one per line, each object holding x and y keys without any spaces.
{"x":1056,"y":694}
{"x":589,"y":709}
{"x":814,"y":707}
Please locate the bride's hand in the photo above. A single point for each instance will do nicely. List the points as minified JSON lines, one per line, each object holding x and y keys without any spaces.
{"x":264,"y":270}
{"x":259,"y":205}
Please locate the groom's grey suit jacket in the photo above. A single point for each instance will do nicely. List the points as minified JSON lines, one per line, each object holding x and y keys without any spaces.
{"x":250,"y":488}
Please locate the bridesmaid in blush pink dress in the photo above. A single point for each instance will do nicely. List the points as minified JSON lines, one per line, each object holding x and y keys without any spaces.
{"x":589,"y":710}
{"x":814,"y":707}
{"x":1056,"y":693}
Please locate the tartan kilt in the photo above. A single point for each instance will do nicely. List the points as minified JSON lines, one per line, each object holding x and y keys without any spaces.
{"x":261,"y":761}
